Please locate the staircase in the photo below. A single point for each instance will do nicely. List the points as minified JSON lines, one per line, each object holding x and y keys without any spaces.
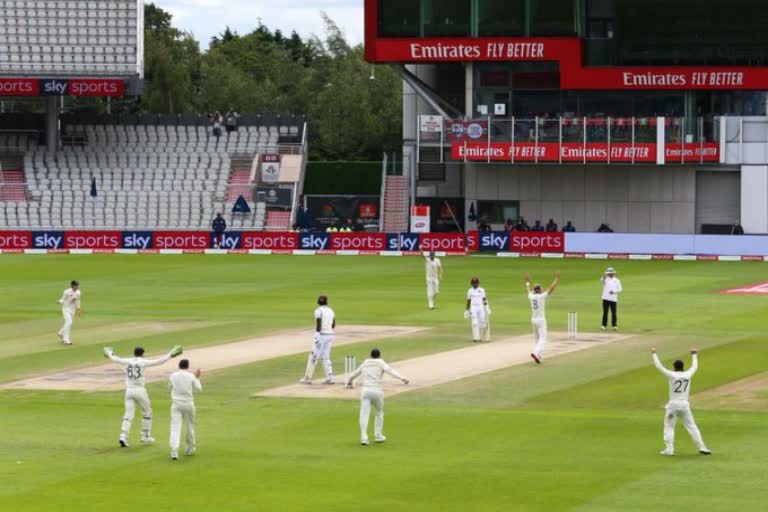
{"x":395,"y":204}
{"x":278,"y":221}
{"x":12,"y":185}
{"x":239,"y":180}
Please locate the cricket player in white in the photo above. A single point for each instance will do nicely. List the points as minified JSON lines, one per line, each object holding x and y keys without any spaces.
{"x":478,"y":310}
{"x":70,"y":305}
{"x":373,"y":371}
{"x":611,"y":290}
{"x":183,"y":384}
{"x":678,"y":405}
{"x":538,"y":300}
{"x":135,"y":392}
{"x":325,"y":323}
{"x":434,"y":275}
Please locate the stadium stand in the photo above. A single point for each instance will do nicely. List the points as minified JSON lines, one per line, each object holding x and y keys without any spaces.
{"x":147,"y":175}
{"x":71,"y":37}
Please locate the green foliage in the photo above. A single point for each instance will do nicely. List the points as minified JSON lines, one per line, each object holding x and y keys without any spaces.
{"x":352,"y":117}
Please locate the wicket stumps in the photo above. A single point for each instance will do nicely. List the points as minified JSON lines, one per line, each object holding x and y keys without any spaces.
{"x":350,"y":364}
{"x":573,"y":325}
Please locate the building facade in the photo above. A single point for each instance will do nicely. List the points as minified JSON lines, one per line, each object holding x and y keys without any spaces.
{"x":646,"y":115}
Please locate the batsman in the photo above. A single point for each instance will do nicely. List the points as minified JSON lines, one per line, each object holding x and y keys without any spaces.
{"x":478,"y":310}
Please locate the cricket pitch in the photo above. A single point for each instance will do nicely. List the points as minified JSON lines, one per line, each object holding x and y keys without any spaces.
{"x":443,"y":367}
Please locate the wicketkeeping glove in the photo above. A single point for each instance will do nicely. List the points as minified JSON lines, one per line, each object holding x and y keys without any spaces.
{"x":108,"y":352}
{"x":177,"y":350}
{"x":467,"y":314}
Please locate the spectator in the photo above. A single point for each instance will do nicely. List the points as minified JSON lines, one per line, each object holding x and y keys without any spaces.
{"x":230,"y":121}
{"x":737,"y":229}
{"x":304,"y":218}
{"x":604,"y":228}
{"x":537,"y":226}
{"x":568,"y":228}
{"x":484,"y":226}
{"x":521,"y":225}
{"x":509,"y":225}
{"x":216,"y":121}
{"x":551,"y":225}
{"x":219,"y":225}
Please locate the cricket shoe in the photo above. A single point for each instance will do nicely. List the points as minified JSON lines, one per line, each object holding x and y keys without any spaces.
{"x":381,"y":439}
{"x":124,"y":443}
{"x":615,"y":328}
{"x":364,"y":442}
{"x":602,"y":327}
{"x":305,"y":380}
{"x":67,"y":342}
{"x":667,"y":453}
{"x":174,"y":455}
{"x":705,"y":451}
{"x":536,"y":358}
{"x":329,"y":381}
{"x":189,"y":451}
{"x":148,"y":440}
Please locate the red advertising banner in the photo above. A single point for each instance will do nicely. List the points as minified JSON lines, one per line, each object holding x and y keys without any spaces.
{"x":473,"y":240}
{"x":19,"y":87}
{"x":358,"y":241}
{"x":536,"y":241}
{"x":578,"y":152}
{"x":13,"y":240}
{"x":453,"y":49}
{"x":273,"y":241}
{"x":181,"y":240}
{"x":96,"y":87}
{"x":93,"y":239}
{"x":449,"y":242}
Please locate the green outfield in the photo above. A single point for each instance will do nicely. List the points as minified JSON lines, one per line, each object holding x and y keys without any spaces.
{"x":582,"y":432}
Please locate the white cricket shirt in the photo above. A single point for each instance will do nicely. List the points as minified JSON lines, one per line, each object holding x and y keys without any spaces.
{"x":679,"y":382}
{"x":183,"y":384}
{"x":475,"y":296}
{"x":538,"y":305}
{"x":70,"y":300}
{"x":372,"y":371}
{"x":433,"y":269}
{"x":611,"y":284}
{"x":134,"y":368}
{"x":326,"y":316}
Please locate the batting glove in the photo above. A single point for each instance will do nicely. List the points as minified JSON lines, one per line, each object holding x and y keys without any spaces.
{"x":467,"y":314}
{"x":108,"y":352}
{"x":177,"y":350}
{"x":488,"y":310}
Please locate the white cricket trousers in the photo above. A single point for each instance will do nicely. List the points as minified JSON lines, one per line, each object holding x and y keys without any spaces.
{"x":182,"y":412}
{"x":368,"y":397}
{"x":135,"y":396}
{"x":540,"y":334}
{"x":680,"y":409}
{"x":321,"y":350}
{"x":433,"y":288}
{"x":479,"y":322}
{"x":69,"y":317}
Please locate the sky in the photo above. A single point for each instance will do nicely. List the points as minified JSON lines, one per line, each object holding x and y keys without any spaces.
{"x":206,"y":18}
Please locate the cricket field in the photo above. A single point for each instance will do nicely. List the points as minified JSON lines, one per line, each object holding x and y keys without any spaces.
{"x":582,"y":432}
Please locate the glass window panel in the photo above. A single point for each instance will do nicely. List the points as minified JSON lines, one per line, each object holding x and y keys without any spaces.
{"x":447,"y":17}
{"x":398,"y":18}
{"x":501,"y":17}
{"x":552,"y":18}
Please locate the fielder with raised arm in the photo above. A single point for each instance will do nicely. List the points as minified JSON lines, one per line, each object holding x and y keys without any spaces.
{"x":538,"y":300}
{"x":325,"y":323}
{"x":434,"y":275}
{"x":678,"y":405}
{"x":135,"y":392}
{"x":373,"y":371}
{"x":70,"y":305}
{"x":478,"y":310}
{"x":183,"y":384}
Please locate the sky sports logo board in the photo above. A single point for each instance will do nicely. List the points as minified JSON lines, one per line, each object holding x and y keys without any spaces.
{"x":47,"y":239}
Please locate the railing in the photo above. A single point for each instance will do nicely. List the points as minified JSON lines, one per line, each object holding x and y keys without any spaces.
{"x":544,"y":139}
